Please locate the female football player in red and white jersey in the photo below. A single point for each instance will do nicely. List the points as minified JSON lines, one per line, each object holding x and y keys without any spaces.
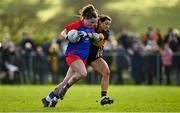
{"x":76,"y":53}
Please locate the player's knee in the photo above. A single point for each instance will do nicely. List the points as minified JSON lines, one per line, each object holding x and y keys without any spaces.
{"x":106,"y":72}
{"x":83,"y":73}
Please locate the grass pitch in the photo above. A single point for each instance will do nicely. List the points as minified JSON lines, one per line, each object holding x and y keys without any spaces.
{"x":83,"y":98}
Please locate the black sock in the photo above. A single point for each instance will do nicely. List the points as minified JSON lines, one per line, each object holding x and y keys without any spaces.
{"x":103,"y":93}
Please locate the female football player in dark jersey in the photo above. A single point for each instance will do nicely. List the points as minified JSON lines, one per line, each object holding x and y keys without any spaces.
{"x":95,"y":56}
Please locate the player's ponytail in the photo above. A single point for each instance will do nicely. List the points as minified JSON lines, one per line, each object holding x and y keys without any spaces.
{"x":88,"y":12}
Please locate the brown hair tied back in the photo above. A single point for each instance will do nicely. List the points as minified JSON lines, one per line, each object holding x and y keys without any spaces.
{"x":103,"y":18}
{"x":88,"y":12}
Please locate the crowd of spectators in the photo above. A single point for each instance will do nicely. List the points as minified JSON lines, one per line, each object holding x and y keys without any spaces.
{"x":144,"y":59}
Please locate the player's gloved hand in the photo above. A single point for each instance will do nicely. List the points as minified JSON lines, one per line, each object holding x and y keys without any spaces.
{"x":96,"y":37}
{"x":82,"y":33}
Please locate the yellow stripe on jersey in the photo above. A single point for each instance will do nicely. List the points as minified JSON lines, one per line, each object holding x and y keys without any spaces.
{"x":99,"y":44}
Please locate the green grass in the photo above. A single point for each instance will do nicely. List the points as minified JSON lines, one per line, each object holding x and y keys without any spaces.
{"x":82,"y":98}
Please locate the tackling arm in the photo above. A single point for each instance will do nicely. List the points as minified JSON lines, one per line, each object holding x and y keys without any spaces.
{"x":96,"y":36}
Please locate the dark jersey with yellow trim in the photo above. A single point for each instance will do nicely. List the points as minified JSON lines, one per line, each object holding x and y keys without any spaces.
{"x":96,"y":48}
{"x":101,"y":43}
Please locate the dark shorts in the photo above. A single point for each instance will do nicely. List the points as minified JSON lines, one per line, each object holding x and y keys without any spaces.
{"x":95,"y":53}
